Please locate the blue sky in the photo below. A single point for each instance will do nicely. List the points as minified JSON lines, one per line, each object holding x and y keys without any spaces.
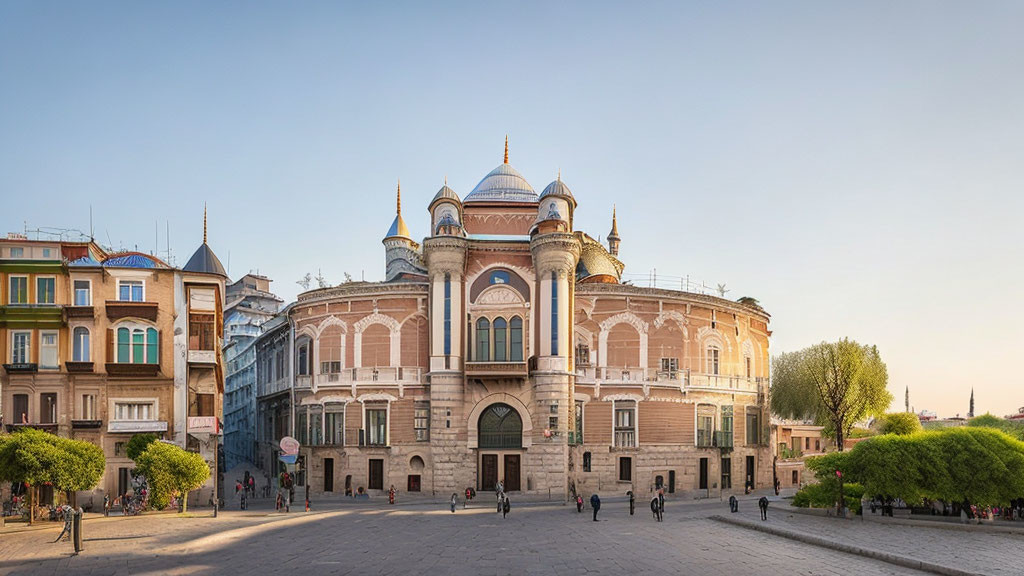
{"x":855,"y":166}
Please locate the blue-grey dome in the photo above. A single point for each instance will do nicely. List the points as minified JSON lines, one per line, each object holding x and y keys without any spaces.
{"x":447,"y":220}
{"x":558,"y":188}
{"x":503,"y":184}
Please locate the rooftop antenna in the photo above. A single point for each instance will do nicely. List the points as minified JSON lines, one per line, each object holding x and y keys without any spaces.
{"x":229,"y":262}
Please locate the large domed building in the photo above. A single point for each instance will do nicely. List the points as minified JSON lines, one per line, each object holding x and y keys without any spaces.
{"x":505,"y":347}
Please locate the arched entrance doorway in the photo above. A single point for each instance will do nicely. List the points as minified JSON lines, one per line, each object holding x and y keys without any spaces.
{"x":500,"y":440}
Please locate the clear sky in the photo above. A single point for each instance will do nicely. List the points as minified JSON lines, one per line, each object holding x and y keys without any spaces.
{"x":856,"y":166}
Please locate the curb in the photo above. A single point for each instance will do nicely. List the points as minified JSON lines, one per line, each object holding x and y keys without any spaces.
{"x":848,"y":548}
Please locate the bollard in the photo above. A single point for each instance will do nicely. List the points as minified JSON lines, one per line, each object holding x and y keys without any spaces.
{"x":76,"y":529}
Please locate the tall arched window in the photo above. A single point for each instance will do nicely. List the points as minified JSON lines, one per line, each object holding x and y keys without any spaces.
{"x":500,"y":340}
{"x":515,"y":339}
{"x":80,"y":345}
{"x":483,"y":340}
{"x":447,"y":314}
{"x":152,"y":353}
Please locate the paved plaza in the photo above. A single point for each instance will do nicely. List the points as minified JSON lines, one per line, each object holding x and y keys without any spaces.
{"x":345,"y":538}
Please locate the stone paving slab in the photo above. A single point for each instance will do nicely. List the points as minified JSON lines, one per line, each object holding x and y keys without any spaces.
{"x":417,"y":540}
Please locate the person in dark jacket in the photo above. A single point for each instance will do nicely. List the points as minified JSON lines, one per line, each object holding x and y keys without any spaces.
{"x":656,"y":508}
{"x":763,"y":505}
{"x":505,"y":506}
{"x":734,"y":504}
{"x":595,"y":503}
{"x":632,"y":502}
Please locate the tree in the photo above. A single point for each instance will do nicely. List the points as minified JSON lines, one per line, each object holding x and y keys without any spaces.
{"x":1014,"y":428}
{"x":901,"y":423}
{"x":834,"y":383}
{"x":170,"y":471}
{"x":138,"y":444}
{"x":38,"y":458}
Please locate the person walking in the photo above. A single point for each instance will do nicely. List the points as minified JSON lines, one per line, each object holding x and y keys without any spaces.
{"x":579,"y":504}
{"x":661,"y":502}
{"x":391,"y":495}
{"x":455,"y":499}
{"x":252,"y":486}
{"x":501,"y":499}
{"x":106,"y":504}
{"x":763,"y":505}
{"x":595,"y":504}
{"x":734,"y":504}
{"x":656,"y":509}
{"x":632,"y":502}
{"x":505,"y":506}
{"x":68,"y":518}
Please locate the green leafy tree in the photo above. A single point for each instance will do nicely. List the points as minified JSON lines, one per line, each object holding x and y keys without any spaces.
{"x":38,"y":458}
{"x":170,"y":471}
{"x":834,"y":383}
{"x":1014,"y":428}
{"x":901,"y":423}
{"x":138,"y":444}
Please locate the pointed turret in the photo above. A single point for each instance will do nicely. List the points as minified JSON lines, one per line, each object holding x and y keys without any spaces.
{"x":402,"y":257}
{"x":398,"y":228}
{"x":613,"y":236}
{"x":203,"y":260}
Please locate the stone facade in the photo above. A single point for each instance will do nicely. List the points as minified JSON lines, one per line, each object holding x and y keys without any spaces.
{"x":515,"y":354}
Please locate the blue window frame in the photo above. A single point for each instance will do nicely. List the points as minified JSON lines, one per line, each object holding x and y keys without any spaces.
{"x":500,"y":277}
{"x":554,"y":315}
{"x":447,"y":314}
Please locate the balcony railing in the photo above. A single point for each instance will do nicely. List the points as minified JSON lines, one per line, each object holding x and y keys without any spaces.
{"x":511,"y":369}
{"x":721,"y":382}
{"x":33,"y":315}
{"x":386,"y":374}
{"x":129,"y":370}
{"x":303,"y":381}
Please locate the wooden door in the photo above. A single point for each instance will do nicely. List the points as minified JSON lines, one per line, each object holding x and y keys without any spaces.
{"x":703,"y":474}
{"x":750,"y":472}
{"x":512,"y":472}
{"x":376,"y":480}
{"x":488,"y":472}
{"x":328,"y":474}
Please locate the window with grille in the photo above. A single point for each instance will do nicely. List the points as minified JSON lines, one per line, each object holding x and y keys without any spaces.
{"x":625,"y":424}
{"x":421,"y":422}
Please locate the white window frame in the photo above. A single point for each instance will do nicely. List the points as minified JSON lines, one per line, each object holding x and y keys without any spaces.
{"x":46,"y":277}
{"x":387,"y":422}
{"x":154,"y":411}
{"x":74,"y":292}
{"x":10,"y":290}
{"x":635,"y":423}
{"x":74,"y":343}
{"x":13,"y":334}
{"x":131,"y":281}
{"x":714,"y":369}
{"x":56,"y":349}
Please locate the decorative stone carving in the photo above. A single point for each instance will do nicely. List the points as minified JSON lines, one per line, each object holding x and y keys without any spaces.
{"x":628,"y":317}
{"x":376,"y":318}
{"x":499,"y":295}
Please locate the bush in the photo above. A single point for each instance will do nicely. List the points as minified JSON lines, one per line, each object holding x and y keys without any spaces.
{"x":901,"y":423}
{"x":821,"y":495}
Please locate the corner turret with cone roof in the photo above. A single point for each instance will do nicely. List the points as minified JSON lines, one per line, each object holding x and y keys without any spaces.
{"x":403,"y":260}
{"x":203,"y":260}
{"x":613,"y":236}
{"x":446,"y":213}
{"x":555,"y":208}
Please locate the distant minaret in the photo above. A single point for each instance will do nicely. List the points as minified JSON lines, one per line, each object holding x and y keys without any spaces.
{"x":970,"y":412}
{"x":907,"y":400}
{"x":613,"y":236}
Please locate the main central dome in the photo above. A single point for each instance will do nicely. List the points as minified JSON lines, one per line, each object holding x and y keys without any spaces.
{"x":503,"y":184}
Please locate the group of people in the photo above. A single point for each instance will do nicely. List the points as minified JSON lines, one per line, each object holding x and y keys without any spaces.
{"x":245,"y":488}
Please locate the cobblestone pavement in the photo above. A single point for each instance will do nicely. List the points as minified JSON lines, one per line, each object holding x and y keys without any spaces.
{"x":974,"y":551}
{"x":428,"y":539}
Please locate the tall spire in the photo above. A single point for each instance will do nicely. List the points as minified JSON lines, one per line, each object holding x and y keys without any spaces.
{"x":204,"y":222}
{"x":506,"y":148}
{"x":613,"y":236}
{"x":398,"y":227}
{"x":907,"y":398}
{"x":398,"y":203}
{"x":970,"y":413}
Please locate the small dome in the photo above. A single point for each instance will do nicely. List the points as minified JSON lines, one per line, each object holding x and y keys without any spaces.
{"x":503,"y":184}
{"x":558,"y":188}
{"x":446,"y":193}
{"x":447,"y":221}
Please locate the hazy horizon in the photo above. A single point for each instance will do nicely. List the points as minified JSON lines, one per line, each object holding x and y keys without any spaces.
{"x":854,"y":167}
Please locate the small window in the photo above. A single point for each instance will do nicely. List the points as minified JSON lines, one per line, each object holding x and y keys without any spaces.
{"x":625,"y":469}
{"x":713,"y":365}
{"x":377,"y":427}
{"x":17,"y":289}
{"x":483,"y":340}
{"x":20,"y":347}
{"x":625,"y":424}
{"x":17,"y":252}
{"x":130,"y":291}
{"x":88,"y":406}
{"x":753,"y":428}
{"x":205,"y":405}
{"x":83,"y":293}
{"x":47,"y":252}
{"x":582,"y":355}
{"x":119,"y":449}
{"x":134,"y":410}
{"x":48,"y":350}
{"x":746,"y":361}
{"x":500,"y":277}
{"x":45,"y":290}
{"x":421,"y":422}
{"x":586,"y":461}
{"x":670,"y":366}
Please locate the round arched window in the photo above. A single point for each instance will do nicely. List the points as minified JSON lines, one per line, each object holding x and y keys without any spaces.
{"x":500,"y":428}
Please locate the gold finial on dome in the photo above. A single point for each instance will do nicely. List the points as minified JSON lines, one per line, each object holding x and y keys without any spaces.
{"x":204,"y":222}
{"x":506,"y":148}
{"x":398,"y":206}
{"x":559,"y":174}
